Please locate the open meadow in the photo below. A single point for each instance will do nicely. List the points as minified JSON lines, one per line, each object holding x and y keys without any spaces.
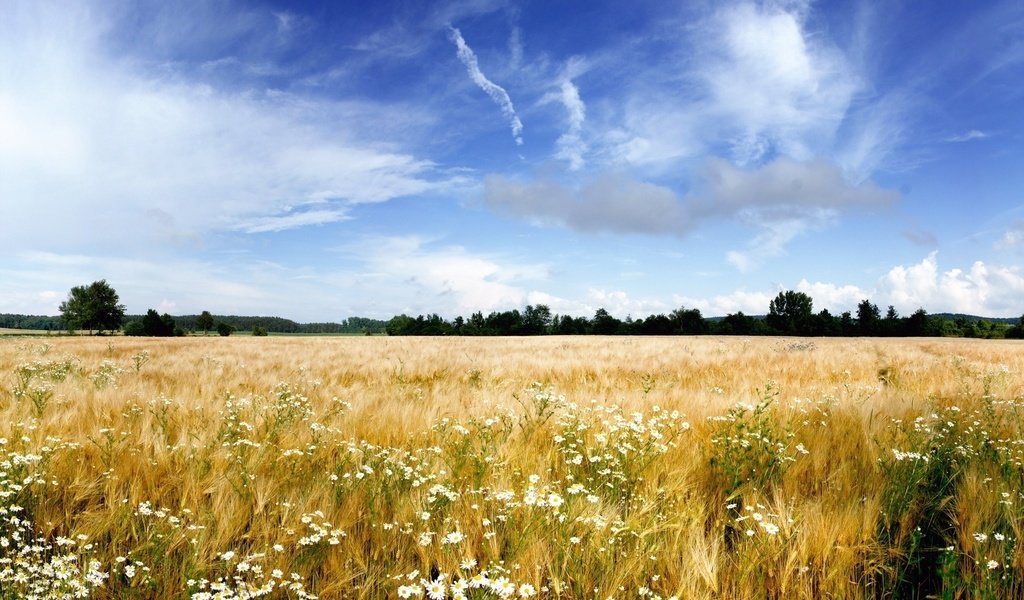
{"x":554,"y":467}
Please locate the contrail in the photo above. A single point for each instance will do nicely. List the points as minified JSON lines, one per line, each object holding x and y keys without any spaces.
{"x":496,"y":92}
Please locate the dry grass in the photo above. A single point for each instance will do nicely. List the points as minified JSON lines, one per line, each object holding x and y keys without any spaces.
{"x":754,"y":467}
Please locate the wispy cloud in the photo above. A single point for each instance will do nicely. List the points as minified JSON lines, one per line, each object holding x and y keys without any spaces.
{"x":495,"y":91}
{"x":292,"y":220}
{"x":570,"y":144}
{"x":515,"y":48}
{"x":751,"y":81}
{"x":85,"y":135}
{"x":974,"y":134}
{"x":1014,"y":236}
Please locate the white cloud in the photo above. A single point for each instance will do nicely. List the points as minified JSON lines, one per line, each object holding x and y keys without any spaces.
{"x":753,"y":78}
{"x":515,"y":48}
{"x":449,"y":280}
{"x":987,"y":290}
{"x":87,"y":138}
{"x":974,"y":134}
{"x":495,"y":91}
{"x":836,"y":298}
{"x":571,"y":146}
{"x":620,"y":304}
{"x":1014,"y":236}
{"x":291,"y":221}
{"x":983,"y":289}
{"x":750,"y":303}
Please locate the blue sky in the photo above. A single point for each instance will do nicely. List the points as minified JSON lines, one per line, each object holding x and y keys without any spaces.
{"x":324,"y":160}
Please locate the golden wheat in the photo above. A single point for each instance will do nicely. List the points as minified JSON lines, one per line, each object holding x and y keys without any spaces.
{"x":481,"y":467}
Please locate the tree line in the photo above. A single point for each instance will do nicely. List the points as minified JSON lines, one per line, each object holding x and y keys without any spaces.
{"x":96,"y":307}
{"x":789,"y":313}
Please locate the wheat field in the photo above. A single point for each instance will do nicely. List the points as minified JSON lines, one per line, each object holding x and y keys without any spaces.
{"x":552,"y":467}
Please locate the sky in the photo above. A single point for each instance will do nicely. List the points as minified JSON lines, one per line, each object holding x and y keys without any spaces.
{"x":321,"y":160}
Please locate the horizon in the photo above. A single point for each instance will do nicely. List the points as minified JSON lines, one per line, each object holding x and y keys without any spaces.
{"x":312,"y":160}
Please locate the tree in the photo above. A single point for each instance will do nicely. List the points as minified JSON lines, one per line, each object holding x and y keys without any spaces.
{"x":688,"y":322}
{"x":604,"y":323}
{"x":737,"y":324}
{"x":868,"y":317}
{"x":134,"y":328}
{"x":156,"y":325}
{"x":93,"y":306}
{"x":536,"y":320}
{"x":918,"y":324}
{"x":790,"y":313}
{"x":204,"y":321}
{"x":224,"y":329}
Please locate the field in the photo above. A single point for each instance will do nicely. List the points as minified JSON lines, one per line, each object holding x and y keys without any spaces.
{"x":355,"y":467}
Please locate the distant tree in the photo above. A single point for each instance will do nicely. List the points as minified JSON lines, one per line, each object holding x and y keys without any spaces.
{"x":604,"y":323}
{"x":654,"y":325}
{"x":1017,"y":331}
{"x":156,"y":325}
{"x":134,"y":328}
{"x":891,"y":325}
{"x":95,"y":306}
{"x":204,"y":321}
{"x":536,"y":320}
{"x":846,"y":324}
{"x":688,"y":321}
{"x":400,"y":325}
{"x":737,"y":324}
{"x":868,"y":318}
{"x":790,"y":313}
{"x":918,"y":324}
{"x":259,"y":331}
{"x":507,"y":322}
{"x":825,"y":324}
{"x":224,"y":330}
{"x":568,"y":325}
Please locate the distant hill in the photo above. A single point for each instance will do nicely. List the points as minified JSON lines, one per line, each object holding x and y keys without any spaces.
{"x":972,"y":318}
{"x":243,"y":323}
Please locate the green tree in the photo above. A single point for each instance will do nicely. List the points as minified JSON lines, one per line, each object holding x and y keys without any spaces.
{"x":688,"y":321}
{"x":536,"y":320}
{"x":604,"y":323}
{"x":204,"y":321}
{"x":134,"y":328}
{"x":94,"y":307}
{"x":224,"y":329}
{"x":868,"y":318}
{"x":790,"y":313}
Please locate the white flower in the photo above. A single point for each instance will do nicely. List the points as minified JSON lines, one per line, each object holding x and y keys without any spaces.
{"x":454,"y":537}
{"x":503,"y":587}
{"x":436,"y":589}
{"x":407,"y":591}
{"x":526,"y":590}
{"x":992,"y":565}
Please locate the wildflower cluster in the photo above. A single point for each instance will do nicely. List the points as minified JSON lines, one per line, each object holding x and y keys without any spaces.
{"x":32,"y":566}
